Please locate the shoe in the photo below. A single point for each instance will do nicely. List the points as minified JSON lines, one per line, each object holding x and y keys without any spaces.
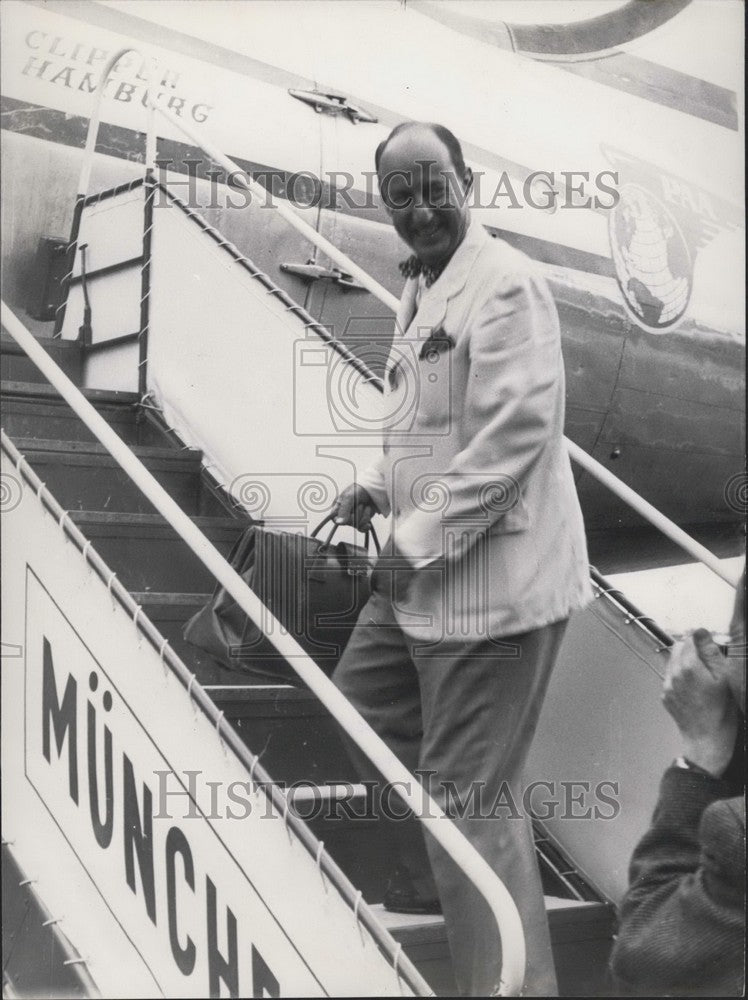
{"x":402,"y":897}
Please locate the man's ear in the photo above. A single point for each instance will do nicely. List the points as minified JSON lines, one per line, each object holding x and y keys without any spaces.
{"x":382,"y":195}
{"x":468,"y":179}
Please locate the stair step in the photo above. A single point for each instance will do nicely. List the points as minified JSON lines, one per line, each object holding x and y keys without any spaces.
{"x":564,"y":915}
{"x":146,"y":552}
{"x":169,"y":612}
{"x":83,"y":475}
{"x":581,"y":937}
{"x":42,"y":390}
{"x":299,"y":742}
{"x":16,"y":365}
{"x":299,"y":739}
{"x":243,"y":700}
{"x":362,"y":843}
{"x":191,"y":456}
{"x":31,"y":410}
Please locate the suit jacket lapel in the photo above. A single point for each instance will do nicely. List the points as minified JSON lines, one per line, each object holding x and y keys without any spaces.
{"x":432,"y":308}
{"x":433,"y":305}
{"x":405,"y":313}
{"x":407,"y":308}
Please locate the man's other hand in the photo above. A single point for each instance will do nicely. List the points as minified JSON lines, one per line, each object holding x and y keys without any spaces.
{"x":697,"y":695}
{"x":355,"y":507}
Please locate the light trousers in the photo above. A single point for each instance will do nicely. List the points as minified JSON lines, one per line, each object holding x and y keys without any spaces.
{"x":464,"y":714}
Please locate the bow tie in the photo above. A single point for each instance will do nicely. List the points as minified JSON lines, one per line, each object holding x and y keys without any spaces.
{"x":413,"y":266}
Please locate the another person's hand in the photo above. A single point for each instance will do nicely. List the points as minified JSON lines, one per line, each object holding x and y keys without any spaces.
{"x":697,"y":695}
{"x":355,"y":507}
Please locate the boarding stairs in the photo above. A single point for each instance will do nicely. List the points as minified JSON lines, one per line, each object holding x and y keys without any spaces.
{"x":299,"y":742}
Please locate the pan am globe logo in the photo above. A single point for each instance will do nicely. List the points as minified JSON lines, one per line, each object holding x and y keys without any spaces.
{"x":652,"y":259}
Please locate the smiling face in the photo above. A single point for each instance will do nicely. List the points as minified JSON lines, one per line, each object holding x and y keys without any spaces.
{"x":424,"y":195}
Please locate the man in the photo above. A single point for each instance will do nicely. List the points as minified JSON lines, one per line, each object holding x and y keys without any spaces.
{"x":682,"y":927}
{"x":451,"y":656}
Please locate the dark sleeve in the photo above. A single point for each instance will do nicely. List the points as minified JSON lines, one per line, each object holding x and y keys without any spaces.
{"x":682,"y":922}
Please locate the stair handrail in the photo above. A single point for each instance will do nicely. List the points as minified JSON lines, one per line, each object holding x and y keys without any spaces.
{"x":577,"y":454}
{"x":440,"y":826}
{"x":84,"y":178}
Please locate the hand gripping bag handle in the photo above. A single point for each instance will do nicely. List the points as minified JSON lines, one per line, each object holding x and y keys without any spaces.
{"x":369,"y":532}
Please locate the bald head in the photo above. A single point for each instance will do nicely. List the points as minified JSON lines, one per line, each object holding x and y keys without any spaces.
{"x":424,"y":185}
{"x":447,"y":138}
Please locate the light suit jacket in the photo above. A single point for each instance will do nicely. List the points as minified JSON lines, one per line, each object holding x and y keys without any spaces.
{"x":474,"y":469}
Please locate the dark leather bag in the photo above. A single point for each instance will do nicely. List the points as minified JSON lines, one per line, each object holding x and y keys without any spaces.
{"x":315,"y":588}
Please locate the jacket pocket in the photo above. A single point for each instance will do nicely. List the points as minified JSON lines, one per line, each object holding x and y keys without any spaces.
{"x":515,"y":519}
{"x":436,"y":400}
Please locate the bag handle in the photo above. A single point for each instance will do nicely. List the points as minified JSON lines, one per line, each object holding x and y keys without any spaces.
{"x":368,"y":533}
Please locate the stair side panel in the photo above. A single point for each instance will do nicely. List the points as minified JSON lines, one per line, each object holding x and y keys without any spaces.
{"x":284,"y":420}
{"x":602,"y":744}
